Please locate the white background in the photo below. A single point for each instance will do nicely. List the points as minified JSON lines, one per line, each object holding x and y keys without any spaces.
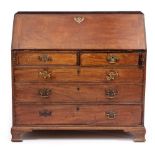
{"x":68,"y":146}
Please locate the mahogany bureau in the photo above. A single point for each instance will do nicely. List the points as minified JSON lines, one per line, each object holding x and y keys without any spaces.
{"x":78,"y":71}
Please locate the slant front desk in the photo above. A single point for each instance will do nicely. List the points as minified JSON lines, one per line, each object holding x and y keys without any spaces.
{"x":78,"y":71}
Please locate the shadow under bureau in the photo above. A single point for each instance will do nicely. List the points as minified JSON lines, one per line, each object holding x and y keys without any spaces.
{"x":78,"y":71}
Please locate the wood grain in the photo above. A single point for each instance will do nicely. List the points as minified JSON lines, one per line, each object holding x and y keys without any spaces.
{"x":97,"y":31}
{"x":129,"y":75}
{"x":69,"y":75}
{"x":100,"y":59}
{"x":54,"y":58}
{"x":74,"y":93}
{"x":68,"y":114}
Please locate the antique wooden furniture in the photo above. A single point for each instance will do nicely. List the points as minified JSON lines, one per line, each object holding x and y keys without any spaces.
{"x":78,"y":71}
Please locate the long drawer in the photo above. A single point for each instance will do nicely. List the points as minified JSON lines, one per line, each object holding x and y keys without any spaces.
{"x":107,"y":115}
{"x":83,"y":74}
{"x":78,"y":93}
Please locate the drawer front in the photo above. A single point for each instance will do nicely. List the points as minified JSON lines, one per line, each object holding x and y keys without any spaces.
{"x":42,"y":93}
{"x":132,"y":75}
{"x":44,"y":58}
{"x":110,"y":115}
{"x":113,"y":59}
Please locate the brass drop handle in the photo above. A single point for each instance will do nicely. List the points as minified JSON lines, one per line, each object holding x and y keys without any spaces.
{"x":111,"y":93}
{"x":45,"y":92}
{"x":45,"y":74}
{"x":79,"y":19}
{"x":111,"y":75}
{"x":110,"y":114}
{"x":44,"y":58}
{"x":45,"y":113}
{"x":112,"y":59}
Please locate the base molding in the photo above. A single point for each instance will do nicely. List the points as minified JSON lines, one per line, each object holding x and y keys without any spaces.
{"x":17,"y":132}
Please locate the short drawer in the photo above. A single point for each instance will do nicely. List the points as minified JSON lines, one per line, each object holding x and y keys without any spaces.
{"x":131,"y":75}
{"x":113,"y":59}
{"x":73,"y":93}
{"x":107,"y":115}
{"x":45,"y":58}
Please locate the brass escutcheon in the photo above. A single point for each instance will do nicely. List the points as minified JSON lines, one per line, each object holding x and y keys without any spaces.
{"x":79,"y":19}
{"x":45,"y":92}
{"x":111,"y":93}
{"x":110,"y":114}
{"x":112,"y":59}
{"x":111,"y":75}
{"x":45,"y":74}
{"x":45,"y":113}
{"x":44,"y":58}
